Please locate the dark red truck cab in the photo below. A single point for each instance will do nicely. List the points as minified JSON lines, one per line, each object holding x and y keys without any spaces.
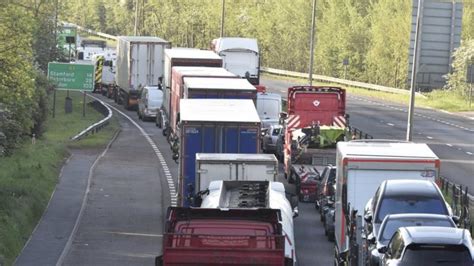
{"x":198,"y":236}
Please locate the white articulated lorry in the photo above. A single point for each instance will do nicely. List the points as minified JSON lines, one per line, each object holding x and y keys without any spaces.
{"x":362,"y":165}
{"x":140,"y":62}
{"x":240,"y":55}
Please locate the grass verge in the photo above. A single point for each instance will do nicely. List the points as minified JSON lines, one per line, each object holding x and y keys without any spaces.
{"x":445,"y":100}
{"x":29,"y":176}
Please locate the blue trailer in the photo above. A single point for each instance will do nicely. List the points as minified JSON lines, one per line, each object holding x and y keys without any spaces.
{"x":213,"y":126}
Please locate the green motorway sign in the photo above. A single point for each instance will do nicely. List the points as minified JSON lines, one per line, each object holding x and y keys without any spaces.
{"x":72,"y":76}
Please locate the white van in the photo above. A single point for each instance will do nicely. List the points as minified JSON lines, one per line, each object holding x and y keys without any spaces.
{"x":269,"y":107}
{"x":149,"y":102}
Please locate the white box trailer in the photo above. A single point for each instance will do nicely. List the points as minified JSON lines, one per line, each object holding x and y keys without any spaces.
{"x":234,"y":166}
{"x":140,"y":62}
{"x":362,"y":165}
{"x":241,"y":56}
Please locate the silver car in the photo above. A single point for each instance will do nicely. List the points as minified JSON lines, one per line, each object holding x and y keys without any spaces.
{"x":270,"y":138}
{"x":428,"y":245}
{"x":149,"y":102}
{"x":392,"y":222}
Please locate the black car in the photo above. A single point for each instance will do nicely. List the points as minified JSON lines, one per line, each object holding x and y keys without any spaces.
{"x":325,"y":188}
{"x":403,"y":196}
{"x":392,"y":222}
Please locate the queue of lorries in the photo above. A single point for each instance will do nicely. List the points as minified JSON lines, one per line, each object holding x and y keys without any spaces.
{"x":378,"y":199}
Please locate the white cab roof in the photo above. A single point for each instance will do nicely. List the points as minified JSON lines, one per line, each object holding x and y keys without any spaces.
{"x":142,"y":39}
{"x":250,"y":157}
{"x":234,"y":43}
{"x":218,"y":84}
{"x":218,"y":110}
{"x":364,"y":149}
{"x":191,"y":53}
{"x":203,"y":71}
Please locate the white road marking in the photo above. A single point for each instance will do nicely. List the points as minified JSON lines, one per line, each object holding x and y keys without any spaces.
{"x":158,"y":153}
{"x":449,"y":145}
{"x":468,"y":152}
{"x":390,"y":124}
{"x":429,"y":137}
{"x":133,"y":234}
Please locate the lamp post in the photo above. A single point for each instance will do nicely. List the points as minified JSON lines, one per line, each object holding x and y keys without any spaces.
{"x":413,"y":73}
{"x":222,"y":18}
{"x":313,"y":21}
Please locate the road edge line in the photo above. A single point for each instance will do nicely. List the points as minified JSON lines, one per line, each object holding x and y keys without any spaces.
{"x":67,"y":247}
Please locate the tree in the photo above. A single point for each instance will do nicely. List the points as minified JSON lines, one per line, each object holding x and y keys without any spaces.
{"x":389,"y":40}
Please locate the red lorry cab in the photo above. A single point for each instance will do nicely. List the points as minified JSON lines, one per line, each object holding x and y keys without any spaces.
{"x":313,"y":104}
{"x":222,"y":237}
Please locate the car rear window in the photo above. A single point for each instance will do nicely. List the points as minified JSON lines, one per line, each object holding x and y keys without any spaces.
{"x":394,"y":205}
{"x":392,"y":225}
{"x":437,"y":255}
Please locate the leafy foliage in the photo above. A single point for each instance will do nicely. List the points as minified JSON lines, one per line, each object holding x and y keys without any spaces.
{"x":372,"y":34}
{"x":463,"y":56}
{"x":27,"y":45}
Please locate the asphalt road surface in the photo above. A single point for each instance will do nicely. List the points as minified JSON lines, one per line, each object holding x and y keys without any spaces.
{"x":450,"y":136}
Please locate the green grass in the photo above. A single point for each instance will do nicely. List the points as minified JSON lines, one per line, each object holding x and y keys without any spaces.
{"x":445,"y":100}
{"x":29,"y":176}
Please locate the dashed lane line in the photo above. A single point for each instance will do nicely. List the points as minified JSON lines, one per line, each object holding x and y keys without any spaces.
{"x":420,"y":115}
